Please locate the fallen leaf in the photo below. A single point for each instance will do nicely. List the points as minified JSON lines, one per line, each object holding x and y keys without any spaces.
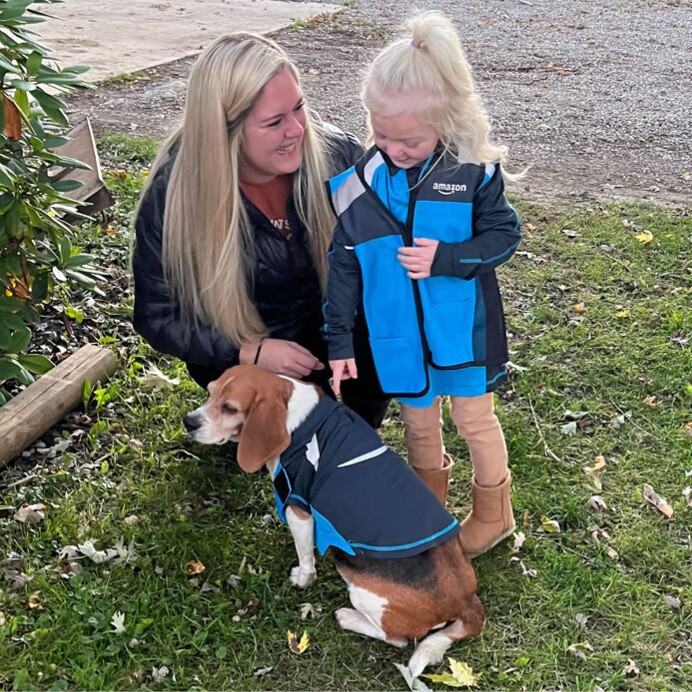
{"x":651,"y":402}
{"x":621,"y":419}
{"x":688,"y":428}
{"x":644,"y":237}
{"x":263,"y":671}
{"x":132,"y":520}
{"x":155,"y":379}
{"x":579,"y":307}
{"x":611,"y":553}
{"x":98,"y":556}
{"x":20,"y":580}
{"x":597,"y":503}
{"x":569,"y":428}
{"x":529,"y":227}
{"x":631,"y":670}
{"x":524,"y":569}
{"x":30,"y":513}
{"x":158,"y":674}
{"x":194,"y":567}
{"x":672,"y":601}
{"x":295,"y":645}
{"x":70,"y":569}
{"x":570,"y":233}
{"x":657,"y":501}
{"x":581,"y":620}
{"x":550,"y":525}
{"x":118,"y":622}
{"x":579,"y":650}
{"x":307,"y":610}
{"x":34,"y":601}
{"x":687,"y":494}
{"x":575,"y":415}
{"x":519,"y":538}
{"x":3,"y":619}
{"x":461,"y":675}
{"x":594,"y":473}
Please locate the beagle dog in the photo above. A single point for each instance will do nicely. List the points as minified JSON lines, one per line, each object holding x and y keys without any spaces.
{"x":337,"y":485}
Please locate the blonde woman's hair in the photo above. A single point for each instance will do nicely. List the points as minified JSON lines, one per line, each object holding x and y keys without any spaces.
{"x":208,"y":241}
{"x":427,"y":74}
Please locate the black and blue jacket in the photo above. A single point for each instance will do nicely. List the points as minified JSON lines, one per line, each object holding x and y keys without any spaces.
{"x":449,"y":321}
{"x":365,"y":499}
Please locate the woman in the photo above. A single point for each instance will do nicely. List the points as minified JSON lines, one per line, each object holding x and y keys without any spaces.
{"x":233,"y":228}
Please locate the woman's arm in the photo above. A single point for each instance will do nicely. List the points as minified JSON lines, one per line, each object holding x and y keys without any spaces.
{"x":344,"y":290}
{"x":157,"y":316}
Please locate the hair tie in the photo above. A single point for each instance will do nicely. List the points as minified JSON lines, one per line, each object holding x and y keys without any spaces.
{"x":415,"y":44}
{"x":257,"y":355}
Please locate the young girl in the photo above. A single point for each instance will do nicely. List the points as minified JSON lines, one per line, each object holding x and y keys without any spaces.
{"x":423,"y":222}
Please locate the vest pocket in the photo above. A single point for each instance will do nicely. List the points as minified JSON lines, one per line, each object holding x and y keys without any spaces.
{"x":399,"y":365}
{"x":450,"y":333}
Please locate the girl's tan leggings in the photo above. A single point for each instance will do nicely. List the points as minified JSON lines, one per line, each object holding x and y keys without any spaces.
{"x":475,"y":421}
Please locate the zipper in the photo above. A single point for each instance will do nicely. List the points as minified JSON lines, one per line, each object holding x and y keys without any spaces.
{"x":407,"y":236}
{"x":406,"y":232}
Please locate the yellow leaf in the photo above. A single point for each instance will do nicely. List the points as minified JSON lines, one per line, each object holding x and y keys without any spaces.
{"x":462,"y":675}
{"x":644,"y":237}
{"x":463,"y":672}
{"x":579,"y":307}
{"x":298,"y":647}
{"x":550,"y":525}
{"x":622,"y":314}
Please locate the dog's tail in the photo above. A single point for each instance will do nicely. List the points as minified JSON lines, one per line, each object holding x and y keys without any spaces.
{"x":432,"y":649}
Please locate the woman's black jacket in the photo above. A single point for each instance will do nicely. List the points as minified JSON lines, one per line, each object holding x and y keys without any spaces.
{"x":285,"y":290}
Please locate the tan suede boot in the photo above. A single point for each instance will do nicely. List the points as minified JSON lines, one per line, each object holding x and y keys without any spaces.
{"x":437,"y":479}
{"x":490,"y":519}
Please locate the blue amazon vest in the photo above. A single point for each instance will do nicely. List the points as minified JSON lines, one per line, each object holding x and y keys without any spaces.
{"x":365,"y":499}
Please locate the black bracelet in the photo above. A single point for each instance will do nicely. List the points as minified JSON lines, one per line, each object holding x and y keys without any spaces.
{"x":259,"y":348}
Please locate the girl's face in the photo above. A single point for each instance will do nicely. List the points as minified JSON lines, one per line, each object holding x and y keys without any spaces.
{"x":273,"y":131}
{"x":403,"y":138}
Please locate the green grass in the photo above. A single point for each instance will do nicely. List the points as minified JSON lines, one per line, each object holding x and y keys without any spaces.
{"x":215,"y":630}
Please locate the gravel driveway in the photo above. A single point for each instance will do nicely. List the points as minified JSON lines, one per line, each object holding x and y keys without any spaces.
{"x":595,"y":95}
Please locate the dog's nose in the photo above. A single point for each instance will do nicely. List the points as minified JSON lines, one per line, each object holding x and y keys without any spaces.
{"x":191,"y":422}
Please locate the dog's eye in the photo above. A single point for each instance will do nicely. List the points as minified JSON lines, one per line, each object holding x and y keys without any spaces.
{"x":227,"y":408}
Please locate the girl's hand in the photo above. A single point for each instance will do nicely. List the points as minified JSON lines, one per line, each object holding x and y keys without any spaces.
{"x":418,"y":260}
{"x":342,"y":370}
{"x":282,"y":357}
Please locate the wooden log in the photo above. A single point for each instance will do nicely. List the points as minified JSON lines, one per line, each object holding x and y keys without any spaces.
{"x":43,"y":403}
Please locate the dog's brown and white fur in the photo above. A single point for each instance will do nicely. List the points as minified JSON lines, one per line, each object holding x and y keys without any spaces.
{"x":394,"y":599}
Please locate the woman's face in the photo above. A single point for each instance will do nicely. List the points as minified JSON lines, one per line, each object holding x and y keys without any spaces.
{"x":273,"y":132}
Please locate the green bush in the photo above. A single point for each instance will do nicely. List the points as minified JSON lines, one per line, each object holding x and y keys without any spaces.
{"x":37,"y":258}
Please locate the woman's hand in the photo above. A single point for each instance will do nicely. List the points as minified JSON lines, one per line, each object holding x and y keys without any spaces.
{"x":342,"y":370}
{"x":282,"y":357}
{"x":418,"y":260}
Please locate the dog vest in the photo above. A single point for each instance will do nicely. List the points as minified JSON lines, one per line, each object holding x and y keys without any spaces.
{"x":365,"y":499}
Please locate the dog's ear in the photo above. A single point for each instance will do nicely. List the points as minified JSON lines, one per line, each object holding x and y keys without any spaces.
{"x":264,"y":435}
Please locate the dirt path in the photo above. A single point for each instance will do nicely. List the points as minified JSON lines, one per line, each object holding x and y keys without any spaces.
{"x":594,"y":94}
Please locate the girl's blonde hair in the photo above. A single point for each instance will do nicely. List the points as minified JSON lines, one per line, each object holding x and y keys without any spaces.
{"x":427,"y":74}
{"x":208,"y":242}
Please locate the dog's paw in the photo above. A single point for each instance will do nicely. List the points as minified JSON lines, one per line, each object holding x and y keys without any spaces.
{"x":302,"y":579}
{"x":348,"y":618}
